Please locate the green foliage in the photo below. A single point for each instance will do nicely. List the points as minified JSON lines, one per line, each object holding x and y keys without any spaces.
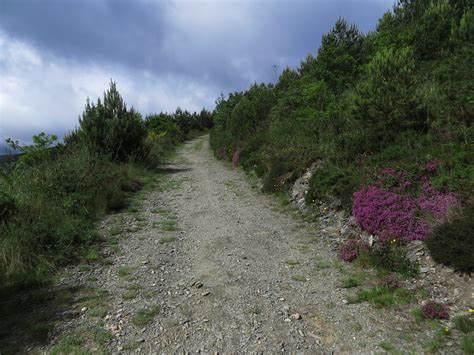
{"x":38,"y":152}
{"x":417,"y":315}
{"x":384,"y":297}
{"x":464,"y":324}
{"x":7,"y":207}
{"x":339,"y":57}
{"x":386,"y":102}
{"x":333,"y":181}
{"x":52,"y":200}
{"x":165,"y":131}
{"x":397,"y":97}
{"x":392,"y":258}
{"x":467,"y":344}
{"x":109,"y":128}
{"x":145,"y":316}
{"x":51,"y":197}
{"x":452,"y":243}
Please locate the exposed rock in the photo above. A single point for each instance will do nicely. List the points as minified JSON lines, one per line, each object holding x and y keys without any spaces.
{"x":301,"y":186}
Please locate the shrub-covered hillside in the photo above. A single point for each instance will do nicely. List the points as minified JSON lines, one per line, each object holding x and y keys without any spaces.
{"x":52,"y":195}
{"x":397,"y":102}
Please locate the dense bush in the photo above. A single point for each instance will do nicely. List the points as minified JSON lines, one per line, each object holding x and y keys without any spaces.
{"x":386,"y":102}
{"x":109,"y":128}
{"x":333,"y":181}
{"x":396,"y":97}
{"x":53,"y":196}
{"x":392,"y":258}
{"x":452,"y":243}
{"x":7,"y":207}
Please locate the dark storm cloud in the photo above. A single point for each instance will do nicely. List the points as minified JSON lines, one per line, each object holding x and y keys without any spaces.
{"x":55,"y":53}
{"x":89,"y":30}
{"x":132,"y":33}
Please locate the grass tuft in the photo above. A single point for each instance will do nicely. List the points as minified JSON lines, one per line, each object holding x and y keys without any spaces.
{"x":145,"y":316}
{"x":167,"y":240}
{"x":299,"y":278}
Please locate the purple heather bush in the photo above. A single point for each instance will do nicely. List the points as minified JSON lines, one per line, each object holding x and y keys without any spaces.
{"x":352,"y":248}
{"x":390,"y":209}
{"x":435,"y":310}
{"x":431,"y":166}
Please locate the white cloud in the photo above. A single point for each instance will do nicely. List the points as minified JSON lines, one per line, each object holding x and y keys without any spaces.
{"x":40,"y":92}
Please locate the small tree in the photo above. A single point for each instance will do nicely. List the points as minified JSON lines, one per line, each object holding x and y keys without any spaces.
{"x":386,"y":102}
{"x":339,"y":58}
{"x":108,"y":127}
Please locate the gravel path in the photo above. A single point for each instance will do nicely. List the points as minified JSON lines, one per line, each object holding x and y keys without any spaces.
{"x":219,"y":267}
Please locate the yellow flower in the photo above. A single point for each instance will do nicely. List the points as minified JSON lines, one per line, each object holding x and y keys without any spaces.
{"x":471,"y":310}
{"x":446,"y":329}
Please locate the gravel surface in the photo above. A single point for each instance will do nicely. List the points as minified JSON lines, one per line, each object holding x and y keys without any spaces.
{"x":221,"y":267}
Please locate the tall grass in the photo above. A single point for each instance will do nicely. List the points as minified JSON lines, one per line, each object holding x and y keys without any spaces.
{"x":53,"y":194}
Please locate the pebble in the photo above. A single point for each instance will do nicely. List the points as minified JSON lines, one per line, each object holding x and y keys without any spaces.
{"x":296,"y":316}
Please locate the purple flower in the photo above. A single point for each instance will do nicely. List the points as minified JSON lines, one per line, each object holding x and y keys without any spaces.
{"x":431,"y":166}
{"x":390,"y":212}
{"x":435,"y":310}
{"x":351,"y":249}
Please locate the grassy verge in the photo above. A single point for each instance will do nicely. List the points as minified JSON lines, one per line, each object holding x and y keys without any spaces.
{"x":58,"y":202}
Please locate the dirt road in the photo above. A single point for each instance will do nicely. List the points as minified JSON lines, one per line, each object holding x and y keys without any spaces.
{"x":207,"y":263}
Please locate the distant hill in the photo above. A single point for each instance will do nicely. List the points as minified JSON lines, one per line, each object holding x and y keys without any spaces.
{"x":8,"y":157}
{"x":6,"y":154}
{"x":6,"y":150}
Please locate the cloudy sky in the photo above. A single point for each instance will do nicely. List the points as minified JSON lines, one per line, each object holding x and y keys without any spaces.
{"x":162,"y":54}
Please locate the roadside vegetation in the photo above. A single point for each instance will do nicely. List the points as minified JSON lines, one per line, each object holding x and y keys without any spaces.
{"x":386,"y":118}
{"x":386,"y":121}
{"x":52,"y":195}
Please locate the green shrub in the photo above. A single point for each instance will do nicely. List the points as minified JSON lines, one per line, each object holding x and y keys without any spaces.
{"x":392,"y":258}
{"x":464,"y":323}
{"x":270,"y":181}
{"x":398,"y":98}
{"x":110,"y":128}
{"x":7,"y":206}
{"x":386,"y":103}
{"x":52,"y":201}
{"x":467,"y":344}
{"x":332,"y":180}
{"x":383,"y":297}
{"x":452,"y":243}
